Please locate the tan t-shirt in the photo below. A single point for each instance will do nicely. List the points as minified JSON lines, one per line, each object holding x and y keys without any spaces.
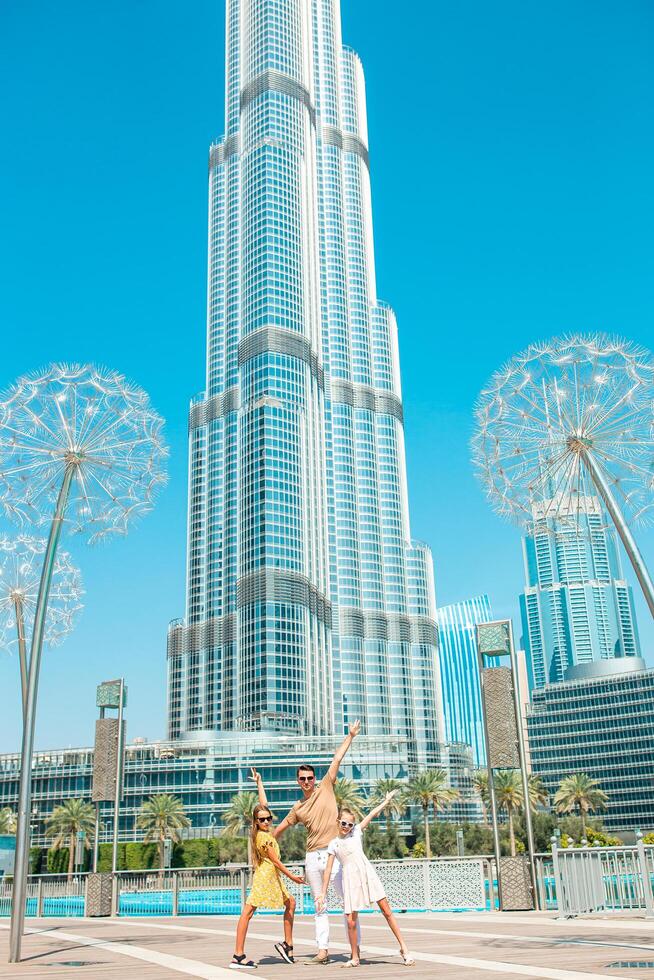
{"x":319,"y":814}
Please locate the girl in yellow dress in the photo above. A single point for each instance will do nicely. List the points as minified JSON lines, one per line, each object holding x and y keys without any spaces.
{"x":268,"y":890}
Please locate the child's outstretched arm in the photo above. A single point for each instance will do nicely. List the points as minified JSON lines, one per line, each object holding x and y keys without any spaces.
{"x":377,"y":810}
{"x":326,"y":878}
{"x":261,"y":789}
{"x":270,"y":854}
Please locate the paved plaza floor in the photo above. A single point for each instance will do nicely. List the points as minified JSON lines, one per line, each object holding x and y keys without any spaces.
{"x":447,"y":945}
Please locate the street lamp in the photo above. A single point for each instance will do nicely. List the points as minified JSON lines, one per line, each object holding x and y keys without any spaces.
{"x":80,"y":445}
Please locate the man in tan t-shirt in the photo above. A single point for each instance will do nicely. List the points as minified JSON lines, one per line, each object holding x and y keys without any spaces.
{"x":318,"y":811}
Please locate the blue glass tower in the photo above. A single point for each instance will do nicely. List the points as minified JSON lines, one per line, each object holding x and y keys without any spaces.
{"x":308,"y":604}
{"x":457,"y":655}
{"x":577,"y":607}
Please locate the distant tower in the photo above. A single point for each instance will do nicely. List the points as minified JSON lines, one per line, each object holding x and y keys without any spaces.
{"x":308,"y":604}
{"x":457,"y":654}
{"x":577,"y":607}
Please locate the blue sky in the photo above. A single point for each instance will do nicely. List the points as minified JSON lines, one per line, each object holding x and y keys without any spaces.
{"x":512,"y":159}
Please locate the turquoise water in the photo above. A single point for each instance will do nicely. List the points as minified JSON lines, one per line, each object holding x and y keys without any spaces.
{"x":210,"y":901}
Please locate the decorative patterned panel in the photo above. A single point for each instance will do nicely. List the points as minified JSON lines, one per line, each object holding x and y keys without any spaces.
{"x":404,"y":883}
{"x":516,"y":884}
{"x":497,"y":692}
{"x":98,"y":894}
{"x":494,"y":639}
{"x":457,"y":885}
{"x":105,"y":759}
{"x":108,"y":695}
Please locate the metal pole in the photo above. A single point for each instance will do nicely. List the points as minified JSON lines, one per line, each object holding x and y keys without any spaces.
{"x":628,"y":540}
{"x":119,"y":777}
{"x":491,"y":785}
{"x":22,"y":649}
{"x":27,"y":747}
{"x":496,"y":838}
{"x":96,"y":841}
{"x":523,"y":766}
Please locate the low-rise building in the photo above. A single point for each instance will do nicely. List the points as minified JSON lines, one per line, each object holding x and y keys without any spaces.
{"x":205,"y":773}
{"x":600,"y":721}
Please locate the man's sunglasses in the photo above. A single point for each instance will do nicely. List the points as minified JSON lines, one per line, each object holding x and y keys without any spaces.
{"x":264,"y":819}
{"x":345,"y":823}
{"x":306,"y":779}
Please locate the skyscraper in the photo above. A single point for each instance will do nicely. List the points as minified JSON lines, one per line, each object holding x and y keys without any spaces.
{"x":459,"y":672}
{"x":577,"y":607}
{"x":308,"y":604}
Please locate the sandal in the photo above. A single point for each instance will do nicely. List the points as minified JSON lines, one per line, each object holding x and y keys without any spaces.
{"x":318,"y":961}
{"x":240,"y":963}
{"x":407,"y":958}
{"x":285,"y":951}
{"x":351,"y":963}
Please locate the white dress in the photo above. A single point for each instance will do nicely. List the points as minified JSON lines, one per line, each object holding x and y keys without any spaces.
{"x":361,"y":885}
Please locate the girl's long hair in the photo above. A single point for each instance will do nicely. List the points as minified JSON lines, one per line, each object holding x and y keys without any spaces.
{"x":259,"y":808}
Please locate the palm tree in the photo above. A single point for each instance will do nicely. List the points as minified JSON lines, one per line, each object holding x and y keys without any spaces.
{"x":510,"y":797}
{"x":480,"y":782}
{"x":537,"y":792}
{"x":162,"y":817}
{"x":348,"y":796}
{"x":7,"y":821}
{"x":430,"y":789}
{"x":238,"y":818}
{"x":64,"y":824}
{"x":396,"y":807}
{"x":580,"y":791}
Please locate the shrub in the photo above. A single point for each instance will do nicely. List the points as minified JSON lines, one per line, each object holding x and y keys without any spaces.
{"x":57,"y":861}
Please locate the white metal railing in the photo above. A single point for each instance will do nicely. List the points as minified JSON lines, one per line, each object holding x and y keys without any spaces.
{"x":573,"y":880}
{"x":48,"y":895}
{"x":604,"y":879}
{"x":465,"y":883}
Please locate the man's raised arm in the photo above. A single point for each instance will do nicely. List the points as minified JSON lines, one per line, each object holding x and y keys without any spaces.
{"x":284,"y":825}
{"x":341,"y":751}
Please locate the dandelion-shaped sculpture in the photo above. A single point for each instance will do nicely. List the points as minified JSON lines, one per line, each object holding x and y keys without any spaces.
{"x":566,"y":421}
{"x":77,"y":445}
{"x":21,"y":559}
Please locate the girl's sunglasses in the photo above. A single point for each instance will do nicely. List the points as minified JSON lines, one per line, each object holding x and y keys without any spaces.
{"x":346,"y":823}
{"x":264,"y":819}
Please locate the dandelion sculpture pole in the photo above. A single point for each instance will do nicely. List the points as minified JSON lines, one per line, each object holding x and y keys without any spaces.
{"x":87,"y":443}
{"x":568,"y":420}
{"x":20,"y":568}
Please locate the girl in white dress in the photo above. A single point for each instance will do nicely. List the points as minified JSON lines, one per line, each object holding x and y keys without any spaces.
{"x":361,"y":885}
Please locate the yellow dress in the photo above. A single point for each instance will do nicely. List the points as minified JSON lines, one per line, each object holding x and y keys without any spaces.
{"x":268,"y":889}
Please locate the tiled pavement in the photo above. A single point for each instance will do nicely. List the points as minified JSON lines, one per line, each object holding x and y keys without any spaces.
{"x":446,"y":945}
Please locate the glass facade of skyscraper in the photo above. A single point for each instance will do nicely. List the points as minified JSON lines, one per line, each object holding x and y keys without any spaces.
{"x":577,"y":607}
{"x":601,"y":724}
{"x":308,"y":605}
{"x":459,"y":672}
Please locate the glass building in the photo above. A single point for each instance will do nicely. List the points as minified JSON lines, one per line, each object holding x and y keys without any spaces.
{"x":205,"y":774}
{"x":308,"y":604}
{"x":600,"y":724}
{"x":577,"y":607}
{"x":459,"y":672}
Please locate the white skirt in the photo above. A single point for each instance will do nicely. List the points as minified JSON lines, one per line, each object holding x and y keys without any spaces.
{"x":361,"y":885}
